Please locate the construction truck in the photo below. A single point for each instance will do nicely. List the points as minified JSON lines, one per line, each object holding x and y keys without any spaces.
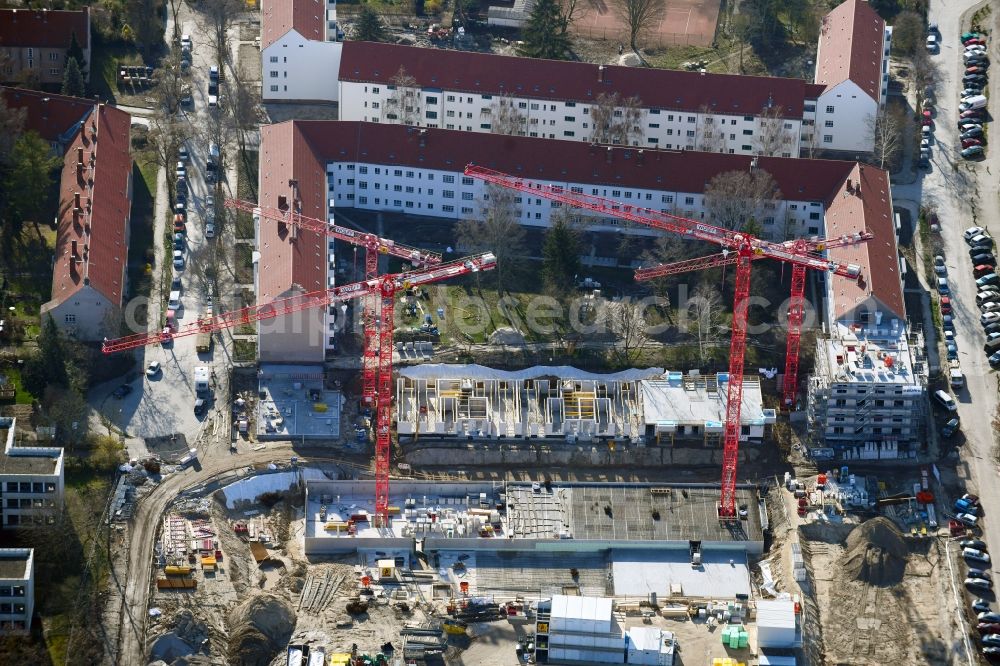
{"x":203,"y":342}
{"x":201,"y":380}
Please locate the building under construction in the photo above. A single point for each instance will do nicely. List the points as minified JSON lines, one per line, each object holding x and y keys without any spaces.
{"x":649,"y":406}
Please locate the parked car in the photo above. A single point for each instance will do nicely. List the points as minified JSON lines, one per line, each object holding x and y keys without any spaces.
{"x":978,"y":544}
{"x":975,"y":69}
{"x":989,"y":278}
{"x":950,"y":428}
{"x":992,"y":328}
{"x":984,"y":258}
{"x":983,"y":269}
{"x":939,"y":266}
{"x":951,"y":351}
{"x":978,"y":573}
{"x":946,"y":305}
{"x":175,"y":283}
{"x":988,"y":318}
{"x":210,"y":230}
{"x":978,"y":584}
{"x":988,"y":627}
{"x":179,"y":226}
{"x":975,"y":41}
{"x":991,"y":640}
{"x":968,"y":143}
{"x":178,"y":241}
{"x":932,"y":43}
{"x":942,"y":285}
{"x":182,"y":154}
{"x":976,"y":555}
{"x":200,"y":407}
{"x":121,"y":391}
{"x":988,"y":617}
{"x":984,"y":297}
{"x":948,"y":323}
{"x":973,"y":133}
{"x":179,"y":263}
{"x":972,"y":232}
{"x":180,"y":170}
{"x":153,"y":369}
{"x":186,"y":41}
{"x":972,"y":152}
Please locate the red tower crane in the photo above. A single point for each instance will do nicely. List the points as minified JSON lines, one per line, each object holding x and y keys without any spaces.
{"x":739,"y":249}
{"x":384,"y":288}
{"x":374,"y":246}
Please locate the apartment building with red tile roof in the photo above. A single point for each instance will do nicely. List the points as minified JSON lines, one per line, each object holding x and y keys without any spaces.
{"x":322,"y":165}
{"x":89,"y":269}
{"x":36,"y":41}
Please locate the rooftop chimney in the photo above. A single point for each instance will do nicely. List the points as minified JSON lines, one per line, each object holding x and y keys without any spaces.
{"x":600,"y":74}
{"x":639,"y":157}
{"x":73,"y":251}
{"x":423,"y":138}
{"x":609,"y":154}
{"x":79,"y":156}
{"x":76,"y":202}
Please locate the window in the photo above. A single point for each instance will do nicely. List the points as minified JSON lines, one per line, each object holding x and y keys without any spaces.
{"x":748,"y":132}
{"x":448,"y":194}
{"x":274,"y":88}
{"x":813,"y":216}
{"x":487,"y":96}
{"x":432,"y":114}
{"x":467,"y":211}
{"x":397,"y":188}
{"x":691,"y":119}
{"x":788,"y":126}
{"x":616,"y":193}
{"x":466,"y":196}
{"x":670,"y":132}
{"x":688,"y":201}
{"x":409,"y":189}
{"x":670,"y":118}
{"x":569,"y":133}
{"x":709,"y":121}
{"x":431,"y":100}
{"x":810,"y":108}
{"x":690,"y":133}
{"x":667,"y":198}
{"x":522,"y":105}
{"x":363,"y":201}
{"x":828,"y":123}
{"x":653,"y":140}
{"x":274,"y":58}
{"x":451,"y":98}
{"x":569,"y":119}
{"x":448,"y":209}
{"x":829,"y":109}
{"x":534,"y":107}
{"x":409,"y":204}
{"x":827,"y":138}
{"x":375,"y":90}
{"x":71,"y":319}
{"x":448,"y":178}
{"x":398,"y":173}
{"x":363,"y":169}
{"x":468,"y":181}
{"x":654,"y":125}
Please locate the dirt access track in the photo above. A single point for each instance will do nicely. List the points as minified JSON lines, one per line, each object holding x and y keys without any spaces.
{"x":683,"y":22}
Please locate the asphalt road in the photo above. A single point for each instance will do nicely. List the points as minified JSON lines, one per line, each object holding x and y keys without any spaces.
{"x":965,"y":193}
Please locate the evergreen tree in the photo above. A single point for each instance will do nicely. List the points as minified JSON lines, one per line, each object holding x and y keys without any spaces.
{"x":545,"y":35}
{"x":47,"y":367}
{"x":73,"y":80}
{"x":561,"y":257}
{"x":27,"y":182}
{"x":369,"y":27}
{"x":74,"y":52}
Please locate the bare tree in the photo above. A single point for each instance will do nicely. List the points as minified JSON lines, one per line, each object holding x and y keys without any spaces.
{"x":506,"y":117}
{"x":639,"y":16}
{"x":498,"y":231}
{"x":170,"y":86}
{"x":403,"y":106}
{"x":625,"y":320}
{"x":166,"y":135}
{"x":573,"y":10}
{"x":885,"y":134}
{"x":735,"y":198}
{"x":711,"y":135}
{"x":925,"y":71}
{"x":220,"y":15}
{"x":774,"y":138}
{"x":615,"y":120}
{"x":243,"y":104}
{"x":175,"y":9}
{"x":142,"y":19}
{"x":706,"y":308}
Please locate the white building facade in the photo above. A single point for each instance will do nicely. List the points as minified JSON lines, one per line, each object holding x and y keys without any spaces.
{"x":31,"y":481}
{"x":299,"y":49}
{"x":17,"y":590}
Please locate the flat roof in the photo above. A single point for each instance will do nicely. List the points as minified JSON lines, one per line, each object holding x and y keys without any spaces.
{"x":780,"y":614}
{"x":28,"y":463}
{"x":581,"y":608}
{"x":296,"y":403}
{"x":722,"y":575}
{"x":13,"y":567}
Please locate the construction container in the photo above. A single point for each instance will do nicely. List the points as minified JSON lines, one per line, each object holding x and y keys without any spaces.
{"x":176,"y":584}
{"x":393,"y":510}
{"x":181,"y":570}
{"x":336,"y":526}
{"x":208,"y":563}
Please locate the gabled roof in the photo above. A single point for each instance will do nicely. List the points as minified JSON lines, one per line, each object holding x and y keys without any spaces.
{"x":286,"y":262}
{"x":44,"y":28}
{"x":306,"y":17}
{"x":863,"y":201}
{"x":850,"y":48}
{"x":301,"y":150}
{"x":485,"y":73}
{"x":561,"y":161}
{"x":101,"y":229}
{"x":52,"y":116}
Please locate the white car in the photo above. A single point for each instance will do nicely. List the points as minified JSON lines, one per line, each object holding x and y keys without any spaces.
{"x":153,"y":369}
{"x":213,"y":101}
{"x":179,"y":262}
{"x":972,"y":232}
{"x":978,"y":583}
{"x":932,"y":43}
{"x":989,"y":318}
{"x":990,"y":307}
{"x":968,"y":518}
{"x":186,"y":42}
{"x":977,"y":555}
{"x":174,"y":301}
{"x":210,"y":231}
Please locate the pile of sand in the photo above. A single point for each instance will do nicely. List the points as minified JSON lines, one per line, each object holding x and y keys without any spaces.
{"x":875,"y":553}
{"x":260,"y":628}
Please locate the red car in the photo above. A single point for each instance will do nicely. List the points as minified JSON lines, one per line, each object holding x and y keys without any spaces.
{"x":971,"y":113}
{"x":927,"y":113}
{"x":983,"y":269}
{"x":179,"y":228}
{"x":988,"y":628}
{"x":945,"y":305}
{"x":974,"y":41}
{"x":975,"y":70}
{"x":926,"y":122}
{"x":968,"y":143}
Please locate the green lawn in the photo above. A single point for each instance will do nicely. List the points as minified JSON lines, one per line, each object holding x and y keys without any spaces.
{"x":105,"y":58}
{"x":244,"y":263}
{"x":244,"y":350}
{"x":140,"y":269}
